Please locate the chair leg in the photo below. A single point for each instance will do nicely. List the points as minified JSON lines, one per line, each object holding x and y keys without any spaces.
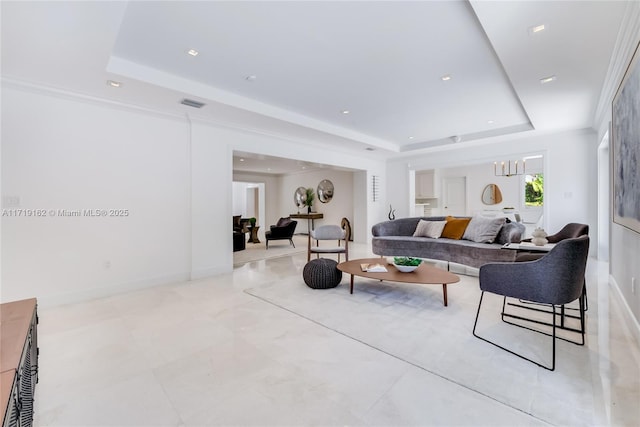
{"x":478,"y":315}
{"x":267,"y":243}
{"x":545,"y":309}
{"x":293,"y":244}
{"x":553,"y":342}
{"x":553,"y":338}
{"x":585,"y":304}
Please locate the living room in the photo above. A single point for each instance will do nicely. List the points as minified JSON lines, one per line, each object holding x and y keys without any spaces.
{"x":71,"y":142}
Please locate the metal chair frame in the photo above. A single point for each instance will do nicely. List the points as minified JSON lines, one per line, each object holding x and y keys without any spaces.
{"x":561,"y":314}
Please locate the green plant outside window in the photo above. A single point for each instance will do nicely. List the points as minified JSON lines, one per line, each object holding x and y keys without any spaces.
{"x":534,"y":190}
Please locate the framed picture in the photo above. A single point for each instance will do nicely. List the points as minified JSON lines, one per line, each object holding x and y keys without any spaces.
{"x":625,"y":140}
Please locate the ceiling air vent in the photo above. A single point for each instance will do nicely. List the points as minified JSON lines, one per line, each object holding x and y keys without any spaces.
{"x":192,"y":103}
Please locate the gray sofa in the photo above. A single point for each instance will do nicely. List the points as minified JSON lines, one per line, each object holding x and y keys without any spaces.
{"x":395,"y":238}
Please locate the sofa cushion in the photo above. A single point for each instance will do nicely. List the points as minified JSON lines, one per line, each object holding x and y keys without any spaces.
{"x":459,"y":251}
{"x":431,"y":229}
{"x":455,"y":227}
{"x":483,"y":229}
{"x":511,"y":232}
{"x":283,"y":221}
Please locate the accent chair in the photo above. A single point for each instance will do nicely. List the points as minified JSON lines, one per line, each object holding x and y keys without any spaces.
{"x":282,"y":230}
{"x":552,"y":281}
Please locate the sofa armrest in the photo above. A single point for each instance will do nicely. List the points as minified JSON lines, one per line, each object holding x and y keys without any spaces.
{"x":510,"y":232}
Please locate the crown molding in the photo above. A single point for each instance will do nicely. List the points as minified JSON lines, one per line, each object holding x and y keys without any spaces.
{"x":187,"y":118}
{"x":84,"y":98}
{"x":626,"y":43}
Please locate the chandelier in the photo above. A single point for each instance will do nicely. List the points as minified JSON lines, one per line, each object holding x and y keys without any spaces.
{"x":508,"y":168}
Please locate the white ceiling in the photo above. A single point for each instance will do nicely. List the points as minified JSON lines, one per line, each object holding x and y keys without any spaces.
{"x":382,"y":61}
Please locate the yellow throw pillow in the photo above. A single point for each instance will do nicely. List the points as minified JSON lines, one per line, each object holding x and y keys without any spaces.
{"x":455,"y":227}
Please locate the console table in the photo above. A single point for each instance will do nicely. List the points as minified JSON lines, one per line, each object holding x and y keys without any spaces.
{"x":309,"y":217}
{"x":18,"y":361}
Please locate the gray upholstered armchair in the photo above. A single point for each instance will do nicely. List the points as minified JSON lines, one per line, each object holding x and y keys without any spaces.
{"x":569,"y":231}
{"x":551,"y":281}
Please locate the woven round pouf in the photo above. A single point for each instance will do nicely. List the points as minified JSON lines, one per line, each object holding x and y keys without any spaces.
{"x":321,"y":273}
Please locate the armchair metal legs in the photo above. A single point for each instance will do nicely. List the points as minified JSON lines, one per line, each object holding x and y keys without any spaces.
{"x":286,"y":238}
{"x":562,"y":314}
{"x":552,"y":310}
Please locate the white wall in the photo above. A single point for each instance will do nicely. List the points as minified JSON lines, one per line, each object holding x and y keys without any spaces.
{"x":570,"y":177}
{"x":211,"y":211}
{"x":478,"y":177}
{"x":271,"y":196}
{"x":341,"y":206}
{"x":238,"y":199}
{"x":64,"y":154}
{"x":174,"y":175}
{"x":624,"y":244}
{"x":247,"y":198}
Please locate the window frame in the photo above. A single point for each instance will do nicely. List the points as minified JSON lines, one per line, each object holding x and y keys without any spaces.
{"x":523,"y":187}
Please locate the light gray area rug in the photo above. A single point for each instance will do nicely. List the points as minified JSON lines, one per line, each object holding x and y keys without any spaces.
{"x":409,"y":322}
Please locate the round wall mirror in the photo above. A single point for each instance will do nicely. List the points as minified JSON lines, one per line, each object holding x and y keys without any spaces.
{"x":325,"y":191}
{"x":299,"y":197}
{"x":491,"y":195}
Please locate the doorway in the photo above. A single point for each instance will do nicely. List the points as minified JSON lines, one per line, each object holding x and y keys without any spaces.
{"x":248,"y":200}
{"x":454,"y":196}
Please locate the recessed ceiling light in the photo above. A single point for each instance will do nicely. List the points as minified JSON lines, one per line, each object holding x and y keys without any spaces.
{"x":345,"y":111}
{"x":251,"y":78}
{"x":411,"y":137}
{"x":490,"y":122}
{"x":446,"y":78}
{"x":114,"y":83}
{"x":536,"y":29}
{"x":193,"y":52}
{"x":242,"y":160}
{"x":547,"y":79}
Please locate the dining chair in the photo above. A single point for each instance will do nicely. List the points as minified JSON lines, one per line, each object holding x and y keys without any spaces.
{"x":328,"y":233}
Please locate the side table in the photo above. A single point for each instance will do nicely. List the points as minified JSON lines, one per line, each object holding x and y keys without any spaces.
{"x":253,"y":236}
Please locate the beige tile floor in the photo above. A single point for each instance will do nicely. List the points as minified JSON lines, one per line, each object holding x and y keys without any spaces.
{"x":257,"y":347}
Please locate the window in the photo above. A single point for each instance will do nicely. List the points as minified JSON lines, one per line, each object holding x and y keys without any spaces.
{"x":533,"y":190}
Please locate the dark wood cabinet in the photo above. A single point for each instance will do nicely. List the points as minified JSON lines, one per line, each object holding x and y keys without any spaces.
{"x":18,"y":361}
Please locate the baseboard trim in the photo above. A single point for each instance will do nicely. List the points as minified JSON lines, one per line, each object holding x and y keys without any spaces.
{"x":106,"y":291}
{"x":629,"y":319}
{"x":208,"y":272}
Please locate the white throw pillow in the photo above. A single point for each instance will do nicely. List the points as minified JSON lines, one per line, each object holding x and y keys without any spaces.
{"x":431,"y":229}
{"x":482,"y":229}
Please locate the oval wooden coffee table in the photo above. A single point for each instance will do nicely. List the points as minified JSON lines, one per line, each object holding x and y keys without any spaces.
{"x":424,"y":274}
